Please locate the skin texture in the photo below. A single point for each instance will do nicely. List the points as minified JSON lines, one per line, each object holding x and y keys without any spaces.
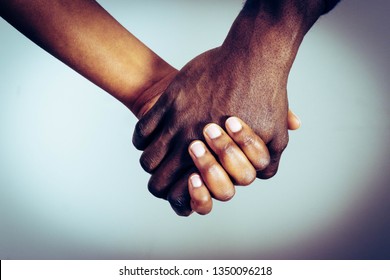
{"x":245,"y":77}
{"x":165,"y":156}
{"x":234,"y":162}
{"x":234,"y":155}
{"x":76,"y":33}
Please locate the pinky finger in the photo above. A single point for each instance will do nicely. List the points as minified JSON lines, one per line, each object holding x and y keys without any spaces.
{"x":201,"y":201}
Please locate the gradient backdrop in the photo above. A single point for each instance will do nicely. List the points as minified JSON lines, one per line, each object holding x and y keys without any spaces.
{"x":71,"y":186}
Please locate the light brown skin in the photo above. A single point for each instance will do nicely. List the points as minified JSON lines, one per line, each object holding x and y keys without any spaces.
{"x":245,"y":77}
{"x":238,"y":154}
{"x":84,"y":36}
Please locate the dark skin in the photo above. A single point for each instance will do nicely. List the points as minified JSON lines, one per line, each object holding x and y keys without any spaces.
{"x":245,"y":77}
{"x":116,"y":61}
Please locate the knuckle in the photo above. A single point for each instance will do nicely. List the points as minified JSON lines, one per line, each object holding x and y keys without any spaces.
{"x":148,"y":162}
{"x":248,"y":140}
{"x":201,"y":204}
{"x":202,"y":209}
{"x":281,"y":145}
{"x":210,"y":168}
{"x":156,"y":189}
{"x":262,"y":163}
{"x":267,"y":173}
{"x":246,"y":177}
{"x":139,"y":136}
{"x":202,"y":201}
{"x":226,"y":194}
{"x":140,"y":130}
{"x":227,"y":148}
{"x":279,"y":148}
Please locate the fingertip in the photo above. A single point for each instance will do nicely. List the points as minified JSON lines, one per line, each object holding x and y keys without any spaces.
{"x":199,"y":210}
{"x":197,"y":149}
{"x":201,"y":201}
{"x":247,"y":177}
{"x":263,"y":162}
{"x":195,"y":181}
{"x":293,"y":121}
{"x":139,"y":137}
{"x":233,"y":124}
{"x":226,"y":194}
{"x":212,"y":131}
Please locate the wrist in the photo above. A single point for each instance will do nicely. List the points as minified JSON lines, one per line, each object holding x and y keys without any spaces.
{"x":153,"y":88}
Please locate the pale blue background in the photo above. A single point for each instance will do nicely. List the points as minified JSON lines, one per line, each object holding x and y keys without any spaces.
{"x":71,"y":186}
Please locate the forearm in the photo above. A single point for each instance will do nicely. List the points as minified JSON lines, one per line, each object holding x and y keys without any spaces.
{"x":84,"y":36}
{"x":307,"y":11}
{"x":274,"y":28}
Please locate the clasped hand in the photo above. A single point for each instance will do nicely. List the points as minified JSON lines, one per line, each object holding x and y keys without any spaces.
{"x":210,"y":89}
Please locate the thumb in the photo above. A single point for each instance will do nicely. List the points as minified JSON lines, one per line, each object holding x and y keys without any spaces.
{"x":293,"y":122}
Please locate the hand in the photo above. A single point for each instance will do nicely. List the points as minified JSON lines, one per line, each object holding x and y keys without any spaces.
{"x":254,"y":150}
{"x":240,"y":153}
{"x":245,"y":77}
{"x":210,"y":88}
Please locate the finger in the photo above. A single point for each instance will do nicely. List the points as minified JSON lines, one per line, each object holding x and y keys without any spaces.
{"x":147,"y":127}
{"x":174,"y":165}
{"x":179,"y":195}
{"x":271,"y":169}
{"x":293,"y":122}
{"x":214,"y":176}
{"x":201,"y":201}
{"x":249,"y":142}
{"x":155,"y":152}
{"x":276,"y":148}
{"x":230,"y":155}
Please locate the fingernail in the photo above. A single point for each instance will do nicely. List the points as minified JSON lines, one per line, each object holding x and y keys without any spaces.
{"x":197,"y":149}
{"x":233,"y":124}
{"x":196,"y":181}
{"x":213,"y":131}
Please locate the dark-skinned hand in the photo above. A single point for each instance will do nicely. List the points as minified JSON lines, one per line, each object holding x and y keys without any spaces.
{"x":245,"y":77}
